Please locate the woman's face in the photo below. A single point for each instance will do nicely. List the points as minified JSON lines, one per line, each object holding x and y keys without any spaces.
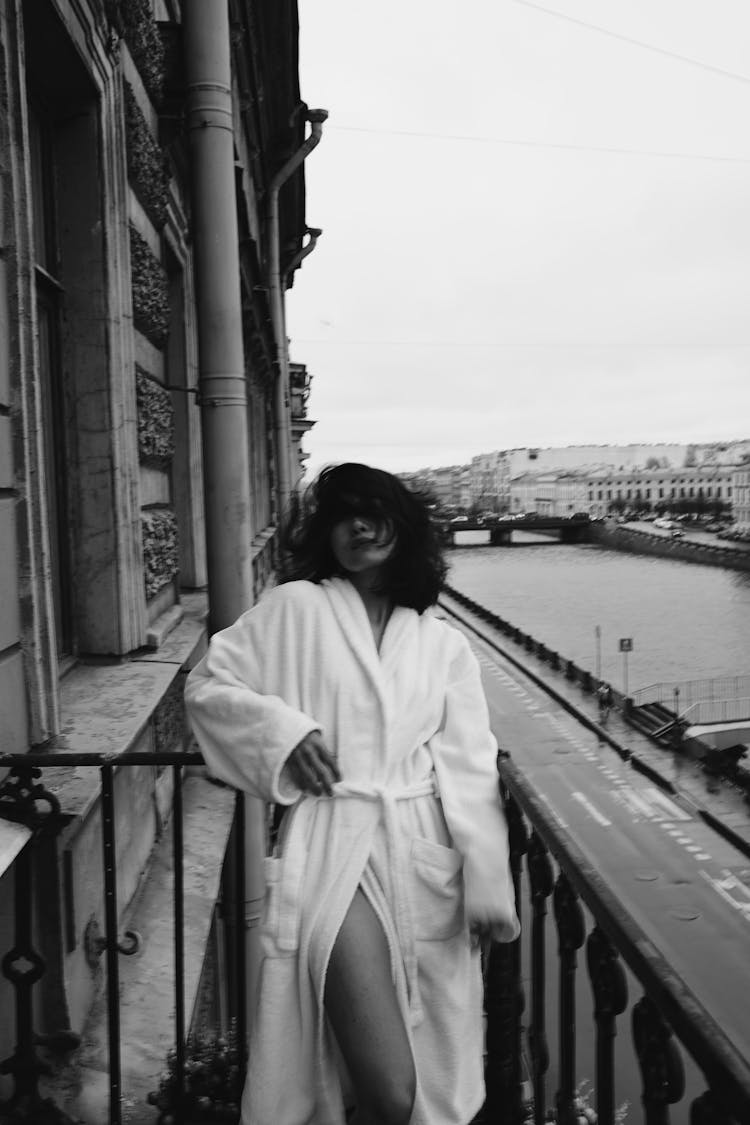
{"x":362,"y":543}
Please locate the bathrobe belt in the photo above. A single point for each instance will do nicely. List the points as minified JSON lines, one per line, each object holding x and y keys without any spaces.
{"x":398,"y":860}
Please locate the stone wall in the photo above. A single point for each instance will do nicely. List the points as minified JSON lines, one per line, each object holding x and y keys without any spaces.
{"x":619,"y":538}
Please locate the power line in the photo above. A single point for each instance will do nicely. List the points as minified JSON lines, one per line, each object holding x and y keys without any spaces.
{"x":499,"y":345}
{"x":611,"y":150}
{"x":636,"y":42}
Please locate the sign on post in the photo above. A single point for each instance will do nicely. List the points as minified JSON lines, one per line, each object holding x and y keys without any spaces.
{"x":626,"y":646}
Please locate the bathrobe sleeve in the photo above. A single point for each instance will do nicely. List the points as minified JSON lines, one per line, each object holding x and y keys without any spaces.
{"x":465,"y":755}
{"x":233,"y":697}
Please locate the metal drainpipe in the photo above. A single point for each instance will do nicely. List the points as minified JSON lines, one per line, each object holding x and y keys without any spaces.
{"x":316,"y":117}
{"x":226,"y":468}
{"x":217,"y":276}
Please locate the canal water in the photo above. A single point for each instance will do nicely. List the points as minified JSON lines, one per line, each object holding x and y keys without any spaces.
{"x":686,"y":621}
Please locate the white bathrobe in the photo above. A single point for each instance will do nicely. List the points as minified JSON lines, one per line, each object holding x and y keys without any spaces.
{"x":416,"y":822}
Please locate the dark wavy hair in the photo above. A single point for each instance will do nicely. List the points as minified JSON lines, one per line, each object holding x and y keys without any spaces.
{"x":412,"y":576}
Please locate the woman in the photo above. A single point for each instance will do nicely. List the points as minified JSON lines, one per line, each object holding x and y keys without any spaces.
{"x":343,"y":696}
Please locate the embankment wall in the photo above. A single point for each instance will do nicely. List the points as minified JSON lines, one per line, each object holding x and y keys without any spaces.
{"x":619,"y":538}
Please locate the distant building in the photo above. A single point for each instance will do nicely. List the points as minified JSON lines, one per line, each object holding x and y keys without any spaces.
{"x":658,"y":486}
{"x":741,"y":497}
{"x":574,"y":457}
{"x":299,"y":392}
{"x":488,"y":480}
{"x":548,"y":494}
{"x":447,"y":485}
{"x":562,"y":494}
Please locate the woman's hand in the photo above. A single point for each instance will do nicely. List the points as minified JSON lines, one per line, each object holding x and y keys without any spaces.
{"x":311,"y":766}
{"x":487,"y":929}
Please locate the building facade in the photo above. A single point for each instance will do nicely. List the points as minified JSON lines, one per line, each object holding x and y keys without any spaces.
{"x":121,"y":385}
{"x":659,"y":487}
{"x":741,"y":497}
{"x":599,"y":492}
{"x":548,"y":494}
{"x":489,"y":481}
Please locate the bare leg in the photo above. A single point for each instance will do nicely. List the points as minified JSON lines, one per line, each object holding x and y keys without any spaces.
{"x":361,"y":1004}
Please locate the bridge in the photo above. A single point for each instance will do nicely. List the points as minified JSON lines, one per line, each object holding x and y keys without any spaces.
{"x":499,"y":531}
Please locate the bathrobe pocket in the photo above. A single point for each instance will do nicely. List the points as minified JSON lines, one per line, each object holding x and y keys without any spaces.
{"x":438,"y":890}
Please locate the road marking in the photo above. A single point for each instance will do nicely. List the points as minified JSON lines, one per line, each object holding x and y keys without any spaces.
{"x":591,"y":810}
{"x":652,"y":804}
{"x":672,"y":809}
{"x":726,"y":886}
{"x":635,"y":803}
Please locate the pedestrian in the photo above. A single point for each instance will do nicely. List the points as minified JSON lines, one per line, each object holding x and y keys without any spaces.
{"x":604,"y":699}
{"x":343,"y":696}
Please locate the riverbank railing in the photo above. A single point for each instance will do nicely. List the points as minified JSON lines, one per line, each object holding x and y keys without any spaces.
{"x":709,"y":711}
{"x":665,"y":1021}
{"x":689,"y":692}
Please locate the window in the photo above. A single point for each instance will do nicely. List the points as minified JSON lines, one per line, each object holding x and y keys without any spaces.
{"x":49,"y":300}
{"x":87,"y":509}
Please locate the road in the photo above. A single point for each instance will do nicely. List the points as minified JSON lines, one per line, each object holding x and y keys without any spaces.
{"x":690,"y":534}
{"x":686,"y":887}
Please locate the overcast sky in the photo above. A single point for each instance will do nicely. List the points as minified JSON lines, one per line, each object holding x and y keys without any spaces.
{"x":536,"y":226}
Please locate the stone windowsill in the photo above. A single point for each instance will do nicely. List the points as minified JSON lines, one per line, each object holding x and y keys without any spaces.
{"x":106,"y":708}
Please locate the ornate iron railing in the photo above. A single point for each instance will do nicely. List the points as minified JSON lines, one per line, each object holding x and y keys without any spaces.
{"x":24,"y":799}
{"x":557,"y":874}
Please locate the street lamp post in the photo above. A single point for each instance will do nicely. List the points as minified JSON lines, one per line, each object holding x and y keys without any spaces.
{"x":598,"y":642}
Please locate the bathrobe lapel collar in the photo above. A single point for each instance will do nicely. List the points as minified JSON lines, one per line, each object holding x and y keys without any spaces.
{"x":351,"y":614}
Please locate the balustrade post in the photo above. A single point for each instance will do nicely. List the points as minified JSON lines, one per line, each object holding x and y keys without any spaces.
{"x":705,"y":1110}
{"x":660,"y":1061}
{"x":610,"y":989}
{"x":571,"y":933}
{"x":504,"y":1003}
{"x":24,"y":800}
{"x":178,"y":851}
{"x":541,"y":881}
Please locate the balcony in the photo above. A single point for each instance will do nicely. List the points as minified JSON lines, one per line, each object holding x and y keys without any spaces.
{"x":552,"y":1027}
